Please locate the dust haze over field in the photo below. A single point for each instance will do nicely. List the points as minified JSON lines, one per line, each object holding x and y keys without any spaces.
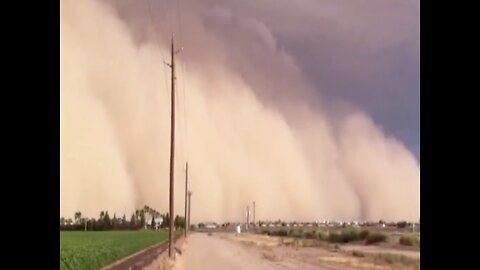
{"x":251,"y":124}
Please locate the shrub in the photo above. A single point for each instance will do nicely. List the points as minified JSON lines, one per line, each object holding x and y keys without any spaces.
{"x":346,"y":236}
{"x":397,"y":260}
{"x":309,"y":235}
{"x":335,"y":238}
{"x":411,"y":240}
{"x":375,"y":238}
{"x":321,"y":235}
{"x":297,"y":234}
{"x":279,"y":233}
{"x":363,"y":234}
{"x":349,"y":236}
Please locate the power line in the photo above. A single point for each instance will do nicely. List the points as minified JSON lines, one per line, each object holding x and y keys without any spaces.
{"x":179,"y":20}
{"x":183,"y":67}
{"x":152,"y":21}
{"x":172,"y":136}
{"x":169,"y":17}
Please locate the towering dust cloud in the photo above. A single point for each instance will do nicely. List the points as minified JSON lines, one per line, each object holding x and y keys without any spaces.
{"x":249,"y":122}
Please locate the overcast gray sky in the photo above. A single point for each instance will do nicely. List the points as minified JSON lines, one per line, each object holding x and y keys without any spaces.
{"x":362,"y":51}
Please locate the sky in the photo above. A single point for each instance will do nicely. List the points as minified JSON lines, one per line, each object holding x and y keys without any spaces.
{"x":310,"y":108}
{"x":365,"y":52}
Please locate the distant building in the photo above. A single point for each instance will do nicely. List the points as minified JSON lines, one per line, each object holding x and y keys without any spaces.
{"x":158,"y":223}
{"x":210,"y":225}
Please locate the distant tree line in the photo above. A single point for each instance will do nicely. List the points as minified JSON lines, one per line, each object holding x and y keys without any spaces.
{"x":137,"y":221}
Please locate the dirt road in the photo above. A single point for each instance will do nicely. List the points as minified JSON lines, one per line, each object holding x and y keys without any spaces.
{"x":226,"y":251}
{"x":216,"y":252}
{"x":204,"y":252}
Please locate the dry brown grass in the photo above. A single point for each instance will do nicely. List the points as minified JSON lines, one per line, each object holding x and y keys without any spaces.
{"x":396,"y":260}
{"x":330,"y":255}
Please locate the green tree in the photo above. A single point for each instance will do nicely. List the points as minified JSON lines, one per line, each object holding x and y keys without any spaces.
{"x":147,"y":209}
{"x":107,"y":221}
{"x":78,"y":217}
{"x":166,"y":221}
{"x":92,"y":224}
{"x":100,"y":224}
{"x":115,"y":221}
{"x":152,"y":225}
{"x":132,"y":221}
{"x":402,"y":224}
{"x":62,"y":221}
{"x":142,"y":219}
{"x":179,"y":222}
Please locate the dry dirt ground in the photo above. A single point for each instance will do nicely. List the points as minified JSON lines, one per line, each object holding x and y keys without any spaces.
{"x":201,"y":251}
{"x":377,"y":249}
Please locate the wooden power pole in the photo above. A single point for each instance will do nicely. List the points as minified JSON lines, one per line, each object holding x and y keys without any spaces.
{"x":189,"y":205}
{"x":248,"y":217}
{"x":172,"y":152}
{"x":254,"y":224}
{"x":186,"y":192}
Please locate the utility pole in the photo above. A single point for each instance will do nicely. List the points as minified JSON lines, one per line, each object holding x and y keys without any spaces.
{"x":248,"y":215}
{"x":254,"y":224}
{"x":172,"y":147}
{"x":189,"y":205}
{"x":186,"y":192}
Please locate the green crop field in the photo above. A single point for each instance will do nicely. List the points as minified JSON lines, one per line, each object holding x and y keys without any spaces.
{"x":94,"y":250}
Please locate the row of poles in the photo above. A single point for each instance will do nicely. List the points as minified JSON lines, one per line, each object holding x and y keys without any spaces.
{"x":172,"y":148}
{"x":187,"y":201}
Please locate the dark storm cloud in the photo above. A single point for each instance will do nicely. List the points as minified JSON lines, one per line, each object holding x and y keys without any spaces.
{"x":364,"y":52}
